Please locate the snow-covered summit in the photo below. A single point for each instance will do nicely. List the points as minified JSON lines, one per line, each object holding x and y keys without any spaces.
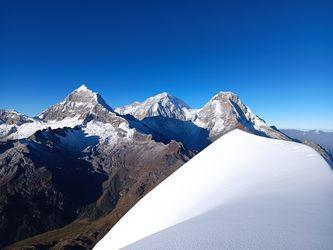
{"x":83,"y":87}
{"x":77,"y":104}
{"x":277,"y":195}
{"x":225,"y":112}
{"x":162,"y":104}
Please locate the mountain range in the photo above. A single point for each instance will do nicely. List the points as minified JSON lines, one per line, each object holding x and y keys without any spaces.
{"x":320,"y":137}
{"x":70,"y":173}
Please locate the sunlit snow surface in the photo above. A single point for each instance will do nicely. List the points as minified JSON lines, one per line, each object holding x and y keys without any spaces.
{"x":27,"y":129}
{"x":241,"y":192}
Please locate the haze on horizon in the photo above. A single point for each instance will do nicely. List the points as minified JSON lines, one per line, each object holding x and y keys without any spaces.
{"x":276,"y":56}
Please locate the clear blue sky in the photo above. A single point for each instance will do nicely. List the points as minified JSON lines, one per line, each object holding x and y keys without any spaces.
{"x":276,"y":55}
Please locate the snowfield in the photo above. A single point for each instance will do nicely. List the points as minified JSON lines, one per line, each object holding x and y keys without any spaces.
{"x":241,"y":192}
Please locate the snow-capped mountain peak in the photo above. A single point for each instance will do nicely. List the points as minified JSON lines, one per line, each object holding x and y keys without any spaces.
{"x":83,"y":87}
{"x":77,"y":104}
{"x":162,"y":104}
{"x":226,"y":94}
{"x":225,"y":112}
{"x":81,"y":107}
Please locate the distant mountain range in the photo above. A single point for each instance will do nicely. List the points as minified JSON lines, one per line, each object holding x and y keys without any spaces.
{"x":323,"y":138}
{"x":78,"y":166}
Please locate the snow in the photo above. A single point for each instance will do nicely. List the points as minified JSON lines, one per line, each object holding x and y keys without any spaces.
{"x":217,"y":107}
{"x":95,"y":132}
{"x":83,"y":87}
{"x":258,"y":123}
{"x":129,"y":132}
{"x":29,"y":128}
{"x":162,"y":104}
{"x":105,"y":131}
{"x":220,"y":113}
{"x":218,"y":126}
{"x":241,"y":192}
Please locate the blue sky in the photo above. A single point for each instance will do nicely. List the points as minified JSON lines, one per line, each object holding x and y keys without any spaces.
{"x":276,"y":55}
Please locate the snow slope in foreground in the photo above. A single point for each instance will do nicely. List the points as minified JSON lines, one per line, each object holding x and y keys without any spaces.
{"x":241,"y":192}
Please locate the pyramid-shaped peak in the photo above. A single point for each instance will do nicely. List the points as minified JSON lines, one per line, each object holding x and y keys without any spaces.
{"x":78,"y":103}
{"x":83,"y":87}
{"x":83,"y":94}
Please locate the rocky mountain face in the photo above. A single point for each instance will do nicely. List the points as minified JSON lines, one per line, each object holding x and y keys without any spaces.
{"x":78,"y":104}
{"x":69,"y":174}
{"x":77,"y":161}
{"x":225,"y":112}
{"x":10,"y":117}
{"x":42,"y":186}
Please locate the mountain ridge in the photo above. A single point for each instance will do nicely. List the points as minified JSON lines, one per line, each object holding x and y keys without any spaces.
{"x":261,"y":190}
{"x":222,"y":113}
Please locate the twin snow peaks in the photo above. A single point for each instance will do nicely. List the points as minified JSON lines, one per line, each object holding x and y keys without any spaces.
{"x":162,"y":115}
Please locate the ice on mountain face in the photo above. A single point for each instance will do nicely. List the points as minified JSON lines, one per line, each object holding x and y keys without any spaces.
{"x":105,"y":131}
{"x":162,"y":104}
{"x":277,"y":195}
{"x":129,"y":131}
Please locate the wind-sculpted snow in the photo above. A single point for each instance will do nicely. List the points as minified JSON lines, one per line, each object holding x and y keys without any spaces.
{"x":241,"y":192}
